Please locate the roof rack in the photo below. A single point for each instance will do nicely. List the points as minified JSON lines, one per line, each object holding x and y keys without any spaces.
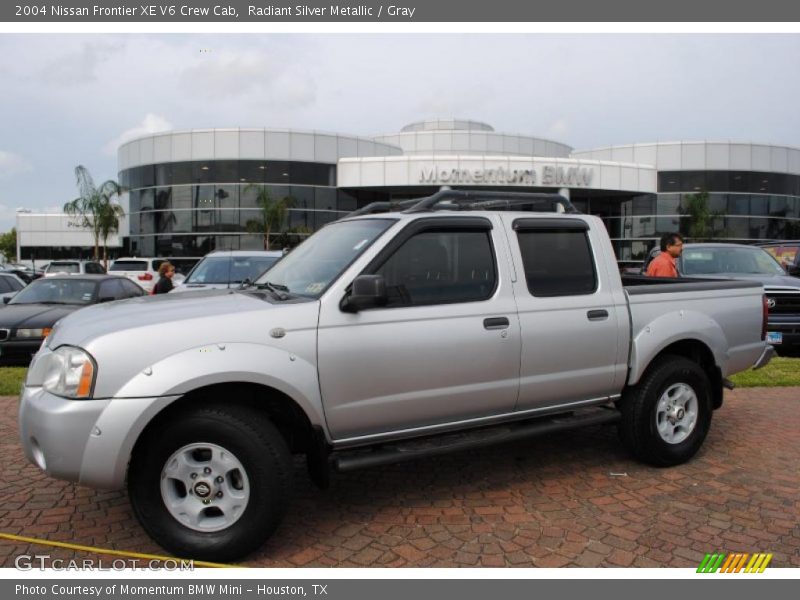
{"x":471,"y":200}
{"x":382,"y":207}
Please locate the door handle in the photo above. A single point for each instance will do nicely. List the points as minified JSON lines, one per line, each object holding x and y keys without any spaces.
{"x":597,"y":315}
{"x":496,"y":323}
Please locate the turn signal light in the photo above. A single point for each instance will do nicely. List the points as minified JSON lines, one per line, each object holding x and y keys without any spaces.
{"x":85,"y":383}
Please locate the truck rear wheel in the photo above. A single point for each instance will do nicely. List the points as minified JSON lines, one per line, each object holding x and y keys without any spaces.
{"x":211,"y":483}
{"x":666,"y":416}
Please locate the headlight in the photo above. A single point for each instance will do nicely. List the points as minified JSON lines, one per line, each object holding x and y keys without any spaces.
{"x":70,"y":372}
{"x":27,"y":334}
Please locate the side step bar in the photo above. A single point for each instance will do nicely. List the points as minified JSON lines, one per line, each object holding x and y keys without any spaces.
{"x":477,"y":438}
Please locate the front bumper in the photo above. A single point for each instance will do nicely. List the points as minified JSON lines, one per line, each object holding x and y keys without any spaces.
{"x":789,"y":328}
{"x":765,"y":357}
{"x":86,"y":441}
{"x":55,"y":431}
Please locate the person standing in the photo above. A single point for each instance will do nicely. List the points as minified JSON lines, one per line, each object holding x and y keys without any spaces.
{"x":664,"y":265}
{"x":165,"y":272}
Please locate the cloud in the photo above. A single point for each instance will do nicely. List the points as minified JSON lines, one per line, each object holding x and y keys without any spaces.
{"x":273,"y":79}
{"x":228,"y":75}
{"x":558,"y":129}
{"x":79,"y":68}
{"x":150,"y":124}
{"x":13,"y":164}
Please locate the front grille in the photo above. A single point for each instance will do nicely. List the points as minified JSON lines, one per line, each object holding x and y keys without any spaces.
{"x":4,"y":334}
{"x":786,"y":303}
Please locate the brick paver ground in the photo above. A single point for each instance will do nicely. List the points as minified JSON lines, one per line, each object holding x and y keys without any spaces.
{"x":573,"y":499}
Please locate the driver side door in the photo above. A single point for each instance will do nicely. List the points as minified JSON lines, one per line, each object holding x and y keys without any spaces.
{"x":445,"y":348}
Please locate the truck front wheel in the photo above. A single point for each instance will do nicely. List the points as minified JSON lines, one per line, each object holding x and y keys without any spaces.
{"x":210,"y":483}
{"x":666,"y":416}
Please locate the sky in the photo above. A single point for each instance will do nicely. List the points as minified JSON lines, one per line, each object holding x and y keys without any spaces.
{"x":68,"y":99}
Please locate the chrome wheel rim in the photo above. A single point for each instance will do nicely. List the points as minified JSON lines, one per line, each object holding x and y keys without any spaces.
{"x":676,"y":413}
{"x":204,"y":487}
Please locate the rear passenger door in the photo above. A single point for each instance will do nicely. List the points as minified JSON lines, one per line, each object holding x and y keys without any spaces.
{"x":445,"y":348}
{"x":567,"y":314}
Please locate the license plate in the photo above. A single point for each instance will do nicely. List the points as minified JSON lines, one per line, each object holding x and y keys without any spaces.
{"x":774,"y":337}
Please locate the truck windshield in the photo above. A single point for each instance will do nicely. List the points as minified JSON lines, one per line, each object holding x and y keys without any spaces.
{"x":311,"y":267}
{"x":715,"y":261}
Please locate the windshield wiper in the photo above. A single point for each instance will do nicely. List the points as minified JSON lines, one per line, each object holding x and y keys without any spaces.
{"x":278,"y":290}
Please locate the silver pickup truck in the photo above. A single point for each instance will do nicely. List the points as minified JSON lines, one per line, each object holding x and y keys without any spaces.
{"x":386,"y":336}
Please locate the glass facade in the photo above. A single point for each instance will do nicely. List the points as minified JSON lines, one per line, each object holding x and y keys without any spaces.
{"x":740,"y":206}
{"x":191,"y":208}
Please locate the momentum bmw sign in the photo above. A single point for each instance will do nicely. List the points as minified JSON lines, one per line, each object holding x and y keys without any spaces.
{"x":546,"y":175}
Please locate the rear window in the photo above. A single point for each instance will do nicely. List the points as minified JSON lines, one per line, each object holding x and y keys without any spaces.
{"x":129,"y":265}
{"x":64,"y":267}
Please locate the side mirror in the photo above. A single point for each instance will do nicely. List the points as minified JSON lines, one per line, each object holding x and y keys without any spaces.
{"x":7,"y":299}
{"x":367,"y":291}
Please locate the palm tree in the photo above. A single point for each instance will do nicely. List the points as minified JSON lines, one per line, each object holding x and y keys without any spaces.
{"x":91,"y":207}
{"x":273,"y":213}
{"x":108,"y":219}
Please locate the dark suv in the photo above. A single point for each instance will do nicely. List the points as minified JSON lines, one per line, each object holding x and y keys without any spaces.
{"x":738,"y":261}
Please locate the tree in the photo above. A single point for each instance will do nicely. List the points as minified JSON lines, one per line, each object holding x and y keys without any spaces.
{"x":8,"y":244}
{"x":108,"y":219}
{"x":273,"y":213}
{"x":702,"y":220}
{"x":91,"y":208}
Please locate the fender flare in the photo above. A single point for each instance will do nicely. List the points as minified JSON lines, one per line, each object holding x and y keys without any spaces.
{"x":146,"y":395}
{"x":672,"y":327}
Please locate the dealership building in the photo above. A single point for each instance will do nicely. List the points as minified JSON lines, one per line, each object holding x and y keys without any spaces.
{"x":190,"y":192}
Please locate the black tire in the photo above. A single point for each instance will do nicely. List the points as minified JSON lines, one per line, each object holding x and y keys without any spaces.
{"x":258,"y":446}
{"x":638,"y":426}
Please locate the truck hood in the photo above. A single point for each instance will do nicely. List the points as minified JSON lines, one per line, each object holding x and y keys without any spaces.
{"x":127,"y":337}
{"x":165,"y":312}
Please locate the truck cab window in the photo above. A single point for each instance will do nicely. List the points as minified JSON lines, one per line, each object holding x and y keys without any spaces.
{"x":557,"y":262}
{"x":441,"y":267}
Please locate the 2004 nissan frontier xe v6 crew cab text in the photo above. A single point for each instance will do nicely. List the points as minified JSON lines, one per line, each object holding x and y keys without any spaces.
{"x":400,"y":331}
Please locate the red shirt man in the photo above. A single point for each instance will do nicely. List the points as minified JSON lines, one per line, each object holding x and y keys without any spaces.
{"x":663,"y":265}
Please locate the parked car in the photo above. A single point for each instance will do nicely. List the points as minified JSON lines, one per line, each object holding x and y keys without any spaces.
{"x":738,"y":261}
{"x":73,"y":267}
{"x":28,"y":317}
{"x":224,"y":269}
{"x":24,"y":272}
{"x":10,"y":284}
{"x":142,"y":271}
{"x":787,"y":252}
{"x":386,"y":336}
